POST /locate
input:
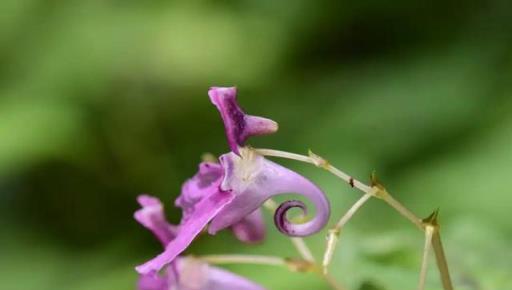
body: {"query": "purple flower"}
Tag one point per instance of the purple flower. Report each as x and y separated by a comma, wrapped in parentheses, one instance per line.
(230, 194)
(237, 124)
(184, 273)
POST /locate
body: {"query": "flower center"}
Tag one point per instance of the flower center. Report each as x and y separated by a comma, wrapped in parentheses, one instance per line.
(246, 167)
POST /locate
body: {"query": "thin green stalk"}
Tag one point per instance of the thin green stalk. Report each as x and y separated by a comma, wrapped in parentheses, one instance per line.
(429, 231)
(442, 264)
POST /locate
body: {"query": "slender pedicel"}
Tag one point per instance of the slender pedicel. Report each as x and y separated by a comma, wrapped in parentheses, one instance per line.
(333, 236)
(294, 265)
(332, 282)
(389, 199)
(442, 265)
(244, 259)
(429, 231)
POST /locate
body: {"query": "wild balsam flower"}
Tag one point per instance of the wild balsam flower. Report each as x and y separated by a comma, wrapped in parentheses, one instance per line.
(229, 194)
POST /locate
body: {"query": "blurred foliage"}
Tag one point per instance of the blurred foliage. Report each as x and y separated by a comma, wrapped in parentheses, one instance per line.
(102, 100)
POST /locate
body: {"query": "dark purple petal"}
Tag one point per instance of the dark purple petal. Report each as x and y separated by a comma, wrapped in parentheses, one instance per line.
(152, 216)
(206, 182)
(204, 211)
(254, 179)
(251, 229)
(197, 275)
(237, 124)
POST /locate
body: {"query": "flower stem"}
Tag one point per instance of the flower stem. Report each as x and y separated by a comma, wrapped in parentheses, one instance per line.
(333, 236)
(402, 210)
(429, 231)
(303, 249)
(350, 213)
(292, 264)
(283, 154)
(332, 282)
(377, 191)
(244, 259)
(442, 265)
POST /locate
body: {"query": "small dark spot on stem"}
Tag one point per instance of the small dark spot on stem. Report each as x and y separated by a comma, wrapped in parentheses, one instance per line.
(351, 181)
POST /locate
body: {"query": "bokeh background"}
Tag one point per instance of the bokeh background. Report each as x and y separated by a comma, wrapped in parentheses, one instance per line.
(101, 100)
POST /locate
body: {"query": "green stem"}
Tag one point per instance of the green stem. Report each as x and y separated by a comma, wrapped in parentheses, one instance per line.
(429, 231)
(442, 264)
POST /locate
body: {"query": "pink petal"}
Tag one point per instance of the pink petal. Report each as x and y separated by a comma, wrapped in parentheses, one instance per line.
(197, 275)
(152, 281)
(251, 229)
(152, 216)
(206, 182)
(204, 211)
(220, 279)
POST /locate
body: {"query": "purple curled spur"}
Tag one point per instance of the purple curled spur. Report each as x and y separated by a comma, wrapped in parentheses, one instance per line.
(254, 179)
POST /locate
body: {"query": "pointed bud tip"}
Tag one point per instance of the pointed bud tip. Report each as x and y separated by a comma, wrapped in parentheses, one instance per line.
(432, 219)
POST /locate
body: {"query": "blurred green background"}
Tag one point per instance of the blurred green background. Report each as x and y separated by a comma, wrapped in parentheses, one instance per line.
(101, 100)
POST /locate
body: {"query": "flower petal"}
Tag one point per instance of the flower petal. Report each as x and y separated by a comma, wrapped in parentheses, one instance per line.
(220, 279)
(237, 124)
(251, 229)
(163, 280)
(197, 275)
(152, 281)
(254, 179)
(152, 216)
(206, 181)
(204, 211)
